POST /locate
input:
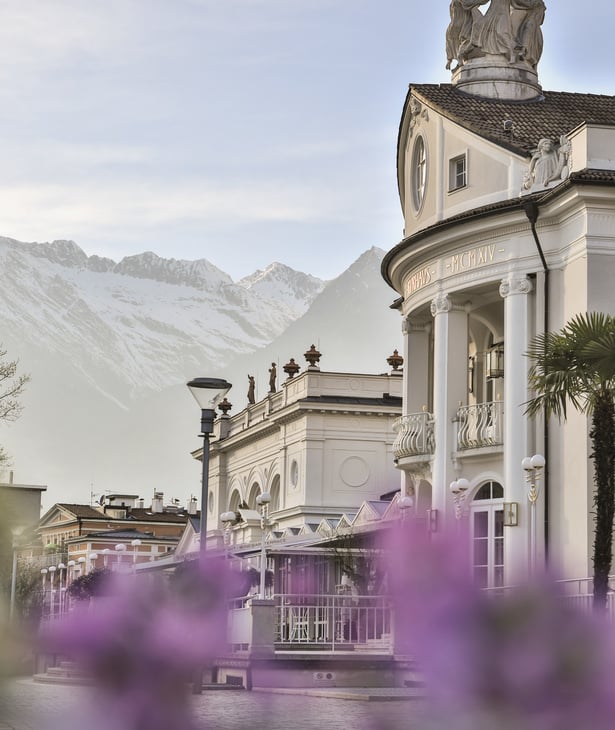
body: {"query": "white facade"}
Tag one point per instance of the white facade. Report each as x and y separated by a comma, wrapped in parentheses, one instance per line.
(321, 446)
(476, 277)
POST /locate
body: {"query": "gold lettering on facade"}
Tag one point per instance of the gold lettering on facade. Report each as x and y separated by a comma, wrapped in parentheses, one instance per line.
(418, 280)
(471, 258)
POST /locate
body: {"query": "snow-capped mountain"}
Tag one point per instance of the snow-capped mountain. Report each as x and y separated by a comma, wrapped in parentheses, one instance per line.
(281, 284)
(146, 322)
(111, 345)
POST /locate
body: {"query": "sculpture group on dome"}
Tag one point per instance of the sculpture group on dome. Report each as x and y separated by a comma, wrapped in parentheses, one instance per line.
(509, 28)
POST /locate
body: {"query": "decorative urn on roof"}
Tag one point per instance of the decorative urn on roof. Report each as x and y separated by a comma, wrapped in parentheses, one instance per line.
(395, 361)
(225, 406)
(313, 358)
(291, 368)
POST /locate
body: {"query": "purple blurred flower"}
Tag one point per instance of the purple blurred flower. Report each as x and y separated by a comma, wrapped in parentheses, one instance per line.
(144, 640)
(523, 659)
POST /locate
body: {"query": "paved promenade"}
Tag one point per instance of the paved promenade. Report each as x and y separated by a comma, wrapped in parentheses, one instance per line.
(25, 705)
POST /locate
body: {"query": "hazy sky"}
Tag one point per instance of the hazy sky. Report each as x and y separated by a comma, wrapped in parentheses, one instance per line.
(241, 131)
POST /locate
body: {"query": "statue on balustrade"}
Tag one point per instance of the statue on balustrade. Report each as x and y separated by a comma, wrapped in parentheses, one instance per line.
(272, 377)
(251, 386)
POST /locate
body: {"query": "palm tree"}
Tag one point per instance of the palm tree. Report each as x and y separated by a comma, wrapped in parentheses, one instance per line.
(577, 364)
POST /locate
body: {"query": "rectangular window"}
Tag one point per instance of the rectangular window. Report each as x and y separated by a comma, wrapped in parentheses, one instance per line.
(458, 173)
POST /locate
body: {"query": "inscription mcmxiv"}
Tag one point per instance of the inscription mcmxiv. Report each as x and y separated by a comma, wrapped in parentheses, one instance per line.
(471, 258)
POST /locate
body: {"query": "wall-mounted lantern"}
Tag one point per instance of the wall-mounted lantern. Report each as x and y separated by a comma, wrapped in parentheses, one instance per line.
(511, 514)
(494, 361)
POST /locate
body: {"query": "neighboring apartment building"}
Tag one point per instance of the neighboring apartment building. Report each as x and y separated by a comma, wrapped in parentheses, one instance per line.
(75, 531)
(508, 198)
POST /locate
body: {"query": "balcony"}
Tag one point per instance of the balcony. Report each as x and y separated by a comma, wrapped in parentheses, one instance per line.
(480, 426)
(415, 435)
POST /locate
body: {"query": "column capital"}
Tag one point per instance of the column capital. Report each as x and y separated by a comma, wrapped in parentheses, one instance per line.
(409, 325)
(515, 284)
(443, 304)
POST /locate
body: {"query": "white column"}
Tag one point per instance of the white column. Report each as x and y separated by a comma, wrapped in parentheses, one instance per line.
(450, 387)
(515, 290)
(416, 365)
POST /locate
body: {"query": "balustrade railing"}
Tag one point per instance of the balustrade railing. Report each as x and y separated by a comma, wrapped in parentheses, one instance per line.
(334, 622)
(480, 425)
(415, 435)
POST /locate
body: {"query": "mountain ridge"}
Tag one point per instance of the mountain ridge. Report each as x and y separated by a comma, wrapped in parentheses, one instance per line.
(110, 353)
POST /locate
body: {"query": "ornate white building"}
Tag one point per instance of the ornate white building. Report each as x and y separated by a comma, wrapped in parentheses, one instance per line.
(321, 446)
(507, 196)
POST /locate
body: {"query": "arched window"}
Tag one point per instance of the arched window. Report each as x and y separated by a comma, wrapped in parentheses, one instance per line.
(419, 173)
(490, 490)
(274, 505)
(255, 490)
(234, 501)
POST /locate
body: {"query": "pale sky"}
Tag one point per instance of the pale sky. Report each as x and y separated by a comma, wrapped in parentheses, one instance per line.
(241, 131)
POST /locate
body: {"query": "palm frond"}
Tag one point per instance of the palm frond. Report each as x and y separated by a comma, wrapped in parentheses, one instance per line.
(572, 365)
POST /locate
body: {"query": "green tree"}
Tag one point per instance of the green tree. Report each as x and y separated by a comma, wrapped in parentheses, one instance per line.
(576, 365)
(11, 388)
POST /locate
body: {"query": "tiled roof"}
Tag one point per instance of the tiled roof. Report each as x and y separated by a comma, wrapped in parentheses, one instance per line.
(120, 534)
(606, 177)
(553, 114)
(146, 515)
(83, 510)
(138, 514)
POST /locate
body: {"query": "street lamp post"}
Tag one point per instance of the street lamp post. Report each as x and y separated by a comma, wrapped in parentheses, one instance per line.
(61, 587)
(135, 549)
(120, 548)
(52, 570)
(207, 392)
(263, 501)
(93, 557)
(227, 519)
(405, 504)
(533, 467)
(15, 532)
(44, 587)
(459, 490)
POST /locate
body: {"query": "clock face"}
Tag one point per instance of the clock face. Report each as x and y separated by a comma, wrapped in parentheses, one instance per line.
(418, 171)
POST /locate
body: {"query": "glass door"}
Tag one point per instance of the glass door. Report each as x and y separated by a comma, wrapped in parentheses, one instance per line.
(487, 537)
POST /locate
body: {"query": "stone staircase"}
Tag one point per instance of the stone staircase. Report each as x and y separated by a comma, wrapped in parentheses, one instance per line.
(66, 672)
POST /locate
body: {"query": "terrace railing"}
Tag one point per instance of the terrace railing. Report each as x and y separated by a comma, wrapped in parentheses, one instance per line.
(415, 435)
(333, 622)
(480, 425)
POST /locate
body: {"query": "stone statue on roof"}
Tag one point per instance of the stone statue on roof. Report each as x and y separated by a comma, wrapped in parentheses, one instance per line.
(527, 17)
(508, 28)
(251, 386)
(273, 374)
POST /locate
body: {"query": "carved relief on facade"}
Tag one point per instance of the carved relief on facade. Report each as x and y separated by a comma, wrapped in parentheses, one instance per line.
(418, 113)
(550, 163)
